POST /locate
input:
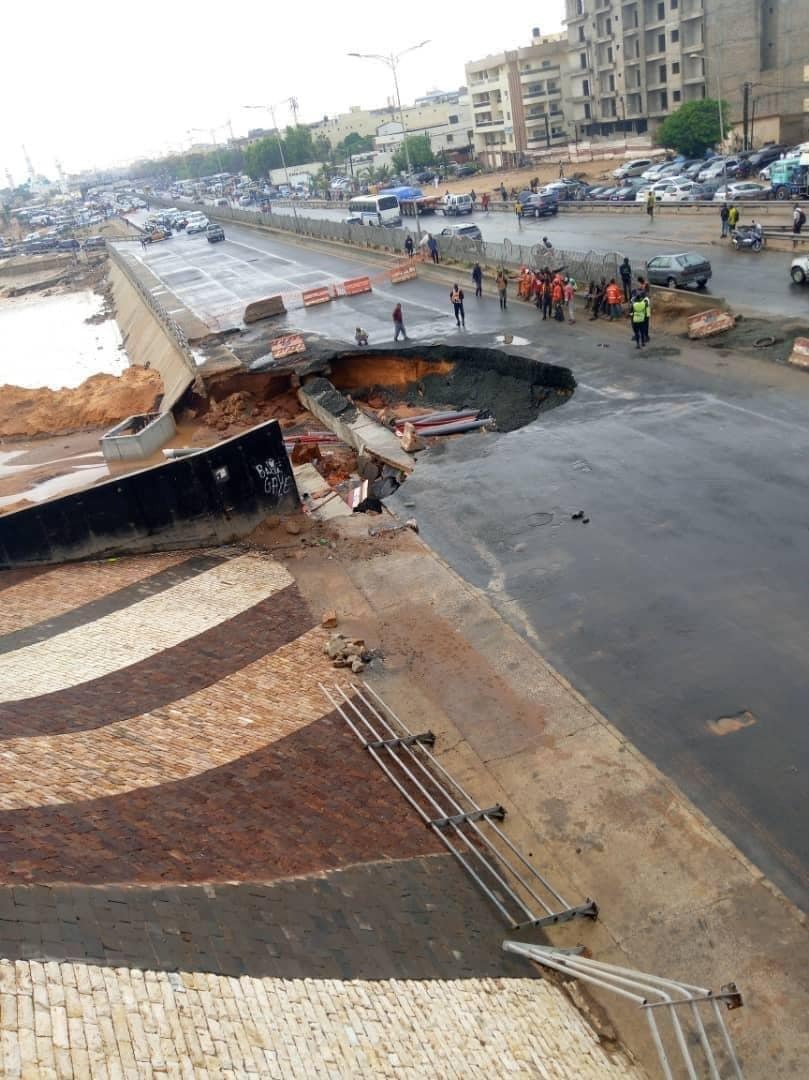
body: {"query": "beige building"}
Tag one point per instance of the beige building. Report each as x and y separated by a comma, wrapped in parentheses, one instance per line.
(445, 118)
(517, 100)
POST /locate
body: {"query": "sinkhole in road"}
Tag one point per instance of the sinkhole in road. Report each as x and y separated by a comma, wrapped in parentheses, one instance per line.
(511, 387)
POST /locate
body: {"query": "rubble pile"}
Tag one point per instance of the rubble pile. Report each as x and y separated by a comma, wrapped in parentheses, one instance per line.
(348, 652)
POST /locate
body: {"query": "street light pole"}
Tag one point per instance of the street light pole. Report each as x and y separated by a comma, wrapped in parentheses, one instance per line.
(271, 110)
(392, 61)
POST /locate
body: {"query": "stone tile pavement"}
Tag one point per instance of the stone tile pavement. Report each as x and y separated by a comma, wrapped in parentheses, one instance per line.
(201, 872)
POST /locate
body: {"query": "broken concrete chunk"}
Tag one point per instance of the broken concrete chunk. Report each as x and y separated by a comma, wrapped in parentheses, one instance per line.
(329, 619)
(292, 527)
(411, 441)
(357, 665)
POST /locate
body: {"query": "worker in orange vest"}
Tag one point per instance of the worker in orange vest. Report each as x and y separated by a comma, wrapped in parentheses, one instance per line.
(615, 299)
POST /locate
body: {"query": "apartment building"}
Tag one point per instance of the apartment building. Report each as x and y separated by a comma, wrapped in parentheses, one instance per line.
(444, 116)
(517, 101)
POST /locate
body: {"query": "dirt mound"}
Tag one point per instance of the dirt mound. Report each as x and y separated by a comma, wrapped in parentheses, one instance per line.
(100, 401)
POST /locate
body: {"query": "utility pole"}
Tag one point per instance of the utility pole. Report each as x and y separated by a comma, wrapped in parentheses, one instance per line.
(547, 132)
(293, 104)
(746, 114)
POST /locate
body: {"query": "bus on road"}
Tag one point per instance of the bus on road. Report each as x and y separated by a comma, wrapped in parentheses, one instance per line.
(375, 210)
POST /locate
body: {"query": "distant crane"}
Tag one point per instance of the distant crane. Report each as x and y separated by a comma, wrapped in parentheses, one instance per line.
(293, 104)
(28, 165)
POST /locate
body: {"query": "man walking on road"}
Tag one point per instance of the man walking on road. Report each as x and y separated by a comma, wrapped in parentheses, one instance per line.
(477, 277)
(432, 247)
(625, 270)
(398, 323)
(733, 218)
(409, 246)
(639, 313)
(501, 281)
(456, 296)
(650, 205)
(570, 295)
(518, 212)
(723, 215)
(485, 201)
(798, 220)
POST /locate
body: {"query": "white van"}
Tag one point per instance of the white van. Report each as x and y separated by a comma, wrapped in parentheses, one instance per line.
(458, 204)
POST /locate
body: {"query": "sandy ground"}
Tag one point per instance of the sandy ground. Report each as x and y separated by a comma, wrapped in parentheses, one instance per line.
(521, 178)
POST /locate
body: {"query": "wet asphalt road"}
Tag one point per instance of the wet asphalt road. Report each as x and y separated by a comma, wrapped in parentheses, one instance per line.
(684, 601)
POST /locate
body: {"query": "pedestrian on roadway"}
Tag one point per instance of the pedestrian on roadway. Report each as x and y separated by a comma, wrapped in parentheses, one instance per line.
(639, 314)
(473, 197)
(432, 247)
(361, 336)
(456, 296)
(558, 298)
(723, 217)
(650, 205)
(733, 218)
(485, 201)
(398, 323)
(518, 212)
(613, 298)
(409, 246)
(625, 270)
(501, 281)
(798, 220)
(547, 294)
(477, 277)
(503, 192)
(570, 296)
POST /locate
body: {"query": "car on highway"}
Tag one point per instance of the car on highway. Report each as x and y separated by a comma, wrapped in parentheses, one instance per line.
(632, 168)
(214, 233)
(536, 205)
(565, 189)
(741, 190)
(799, 271)
(156, 234)
(466, 232)
(197, 224)
(678, 271)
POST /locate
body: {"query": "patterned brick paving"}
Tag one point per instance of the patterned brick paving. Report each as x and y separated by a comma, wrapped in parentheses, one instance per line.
(308, 802)
(31, 596)
(243, 712)
(166, 677)
(139, 631)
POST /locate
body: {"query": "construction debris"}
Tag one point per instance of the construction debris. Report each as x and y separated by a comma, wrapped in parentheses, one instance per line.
(708, 323)
(348, 652)
(411, 442)
(329, 619)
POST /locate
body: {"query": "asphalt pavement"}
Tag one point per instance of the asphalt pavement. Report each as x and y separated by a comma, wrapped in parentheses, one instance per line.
(749, 281)
(680, 608)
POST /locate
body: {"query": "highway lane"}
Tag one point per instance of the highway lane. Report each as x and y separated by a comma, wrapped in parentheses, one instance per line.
(750, 282)
(680, 609)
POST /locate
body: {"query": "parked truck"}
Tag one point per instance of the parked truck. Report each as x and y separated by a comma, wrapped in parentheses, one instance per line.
(412, 198)
(789, 177)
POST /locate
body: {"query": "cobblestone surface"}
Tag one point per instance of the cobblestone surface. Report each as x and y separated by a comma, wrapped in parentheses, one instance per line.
(201, 872)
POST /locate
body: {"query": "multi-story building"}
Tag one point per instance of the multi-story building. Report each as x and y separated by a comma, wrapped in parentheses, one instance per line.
(444, 117)
(633, 62)
(517, 100)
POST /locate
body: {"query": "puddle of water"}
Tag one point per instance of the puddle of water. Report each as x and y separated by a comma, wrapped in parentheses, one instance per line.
(59, 485)
(46, 341)
(511, 339)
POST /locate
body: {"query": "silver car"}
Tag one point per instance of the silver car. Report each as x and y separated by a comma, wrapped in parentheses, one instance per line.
(677, 271)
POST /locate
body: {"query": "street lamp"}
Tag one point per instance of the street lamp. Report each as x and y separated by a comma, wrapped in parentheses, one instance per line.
(392, 61)
(699, 56)
(271, 110)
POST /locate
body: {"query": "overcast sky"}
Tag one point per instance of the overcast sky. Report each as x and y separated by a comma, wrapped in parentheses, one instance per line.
(100, 83)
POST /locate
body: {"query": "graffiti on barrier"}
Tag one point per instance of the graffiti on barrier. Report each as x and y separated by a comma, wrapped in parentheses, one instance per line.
(277, 480)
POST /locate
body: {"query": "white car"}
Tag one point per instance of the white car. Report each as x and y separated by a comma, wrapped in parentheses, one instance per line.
(659, 189)
(197, 225)
(799, 271)
(653, 172)
(740, 190)
(632, 168)
(683, 191)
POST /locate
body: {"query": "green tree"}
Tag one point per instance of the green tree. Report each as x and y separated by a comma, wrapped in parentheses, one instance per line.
(420, 151)
(322, 145)
(693, 128)
(260, 157)
(355, 143)
(298, 146)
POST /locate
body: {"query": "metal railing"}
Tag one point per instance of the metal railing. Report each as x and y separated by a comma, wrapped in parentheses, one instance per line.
(522, 895)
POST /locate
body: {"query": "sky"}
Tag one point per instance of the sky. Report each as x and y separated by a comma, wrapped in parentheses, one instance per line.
(100, 84)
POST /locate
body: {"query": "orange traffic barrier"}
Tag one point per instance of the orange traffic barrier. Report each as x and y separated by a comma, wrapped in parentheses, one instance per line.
(316, 296)
(287, 346)
(402, 273)
(355, 286)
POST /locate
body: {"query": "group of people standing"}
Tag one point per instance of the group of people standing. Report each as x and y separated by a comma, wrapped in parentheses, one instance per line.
(553, 292)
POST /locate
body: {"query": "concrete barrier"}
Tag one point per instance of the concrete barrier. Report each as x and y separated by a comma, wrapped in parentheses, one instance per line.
(264, 309)
(138, 437)
(356, 286)
(800, 353)
(212, 497)
(707, 323)
(312, 297)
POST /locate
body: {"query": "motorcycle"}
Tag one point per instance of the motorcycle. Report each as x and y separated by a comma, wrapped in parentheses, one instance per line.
(746, 236)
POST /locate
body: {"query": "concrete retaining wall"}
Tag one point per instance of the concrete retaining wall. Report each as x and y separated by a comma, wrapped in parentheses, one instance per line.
(148, 342)
(212, 497)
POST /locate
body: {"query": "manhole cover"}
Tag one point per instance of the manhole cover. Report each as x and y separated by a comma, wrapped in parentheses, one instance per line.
(541, 518)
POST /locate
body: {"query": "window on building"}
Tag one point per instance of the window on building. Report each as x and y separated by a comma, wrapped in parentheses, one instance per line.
(453, 119)
(587, 113)
(612, 82)
(546, 63)
(676, 95)
(662, 73)
(585, 87)
(675, 69)
(581, 32)
(661, 11)
(637, 48)
(664, 99)
(583, 59)
(674, 4)
(552, 86)
(450, 138)
(661, 42)
(608, 26)
(579, 7)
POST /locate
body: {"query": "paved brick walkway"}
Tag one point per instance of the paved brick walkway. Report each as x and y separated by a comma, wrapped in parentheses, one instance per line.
(203, 875)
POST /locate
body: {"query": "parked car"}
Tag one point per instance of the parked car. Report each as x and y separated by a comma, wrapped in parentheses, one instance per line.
(653, 172)
(677, 271)
(725, 167)
(468, 232)
(683, 191)
(741, 190)
(68, 245)
(214, 233)
(154, 235)
(197, 225)
(536, 205)
(564, 189)
(799, 271)
(624, 194)
(759, 159)
(632, 168)
(94, 243)
(468, 169)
